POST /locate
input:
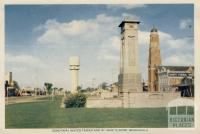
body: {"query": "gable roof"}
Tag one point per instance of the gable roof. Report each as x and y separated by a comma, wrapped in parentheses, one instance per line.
(175, 68)
(128, 21)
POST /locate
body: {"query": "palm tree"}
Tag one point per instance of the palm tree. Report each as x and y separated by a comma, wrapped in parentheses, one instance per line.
(60, 89)
(54, 90)
(104, 85)
(48, 87)
(17, 88)
(6, 88)
(79, 88)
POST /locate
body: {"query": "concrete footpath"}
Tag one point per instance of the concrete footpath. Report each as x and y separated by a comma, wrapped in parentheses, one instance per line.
(22, 99)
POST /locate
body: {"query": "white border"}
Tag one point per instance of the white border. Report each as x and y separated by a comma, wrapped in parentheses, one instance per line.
(196, 3)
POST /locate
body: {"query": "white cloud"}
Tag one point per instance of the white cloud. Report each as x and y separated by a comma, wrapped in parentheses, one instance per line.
(97, 41)
(179, 59)
(101, 31)
(185, 23)
(128, 16)
(110, 49)
(166, 40)
(125, 6)
(173, 43)
(87, 31)
(51, 36)
(143, 37)
(174, 51)
(24, 60)
(26, 69)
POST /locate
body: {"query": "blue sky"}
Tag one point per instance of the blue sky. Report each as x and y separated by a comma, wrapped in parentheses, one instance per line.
(41, 38)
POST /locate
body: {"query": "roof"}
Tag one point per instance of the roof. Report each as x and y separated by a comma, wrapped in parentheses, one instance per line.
(181, 102)
(128, 21)
(176, 68)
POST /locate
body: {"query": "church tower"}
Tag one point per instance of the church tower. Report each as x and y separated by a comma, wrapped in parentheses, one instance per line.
(154, 60)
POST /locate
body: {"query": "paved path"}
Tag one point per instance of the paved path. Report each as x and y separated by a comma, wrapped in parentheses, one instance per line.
(22, 99)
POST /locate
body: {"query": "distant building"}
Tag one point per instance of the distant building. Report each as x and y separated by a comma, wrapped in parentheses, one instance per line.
(27, 91)
(187, 87)
(170, 78)
(8, 78)
(10, 89)
(11, 86)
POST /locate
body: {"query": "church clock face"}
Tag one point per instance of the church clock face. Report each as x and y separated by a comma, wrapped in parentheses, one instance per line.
(131, 26)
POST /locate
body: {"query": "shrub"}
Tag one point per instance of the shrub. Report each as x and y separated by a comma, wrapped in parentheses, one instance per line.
(75, 100)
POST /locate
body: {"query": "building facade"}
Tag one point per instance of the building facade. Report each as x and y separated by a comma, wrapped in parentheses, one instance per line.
(11, 86)
(171, 77)
(154, 60)
(8, 78)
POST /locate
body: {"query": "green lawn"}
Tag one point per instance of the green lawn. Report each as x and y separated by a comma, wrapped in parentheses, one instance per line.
(48, 114)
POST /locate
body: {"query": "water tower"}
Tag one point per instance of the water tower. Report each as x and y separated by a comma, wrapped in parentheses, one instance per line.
(74, 63)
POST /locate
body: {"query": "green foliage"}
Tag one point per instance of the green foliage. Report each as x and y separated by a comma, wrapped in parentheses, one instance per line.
(48, 114)
(75, 100)
(104, 85)
(48, 87)
(16, 85)
(79, 88)
(55, 88)
(60, 89)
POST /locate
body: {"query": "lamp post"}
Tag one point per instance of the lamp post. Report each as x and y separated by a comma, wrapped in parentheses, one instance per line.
(6, 90)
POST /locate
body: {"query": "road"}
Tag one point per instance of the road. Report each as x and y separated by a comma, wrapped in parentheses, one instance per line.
(22, 99)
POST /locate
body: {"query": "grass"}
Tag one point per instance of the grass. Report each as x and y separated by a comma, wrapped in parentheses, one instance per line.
(48, 114)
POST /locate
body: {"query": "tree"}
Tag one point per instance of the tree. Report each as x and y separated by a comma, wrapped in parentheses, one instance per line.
(60, 89)
(75, 100)
(16, 85)
(6, 86)
(79, 88)
(89, 89)
(48, 87)
(54, 90)
(53, 93)
(17, 88)
(104, 85)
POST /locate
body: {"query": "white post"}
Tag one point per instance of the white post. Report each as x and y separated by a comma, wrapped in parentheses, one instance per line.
(35, 93)
(7, 94)
(186, 109)
(168, 110)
